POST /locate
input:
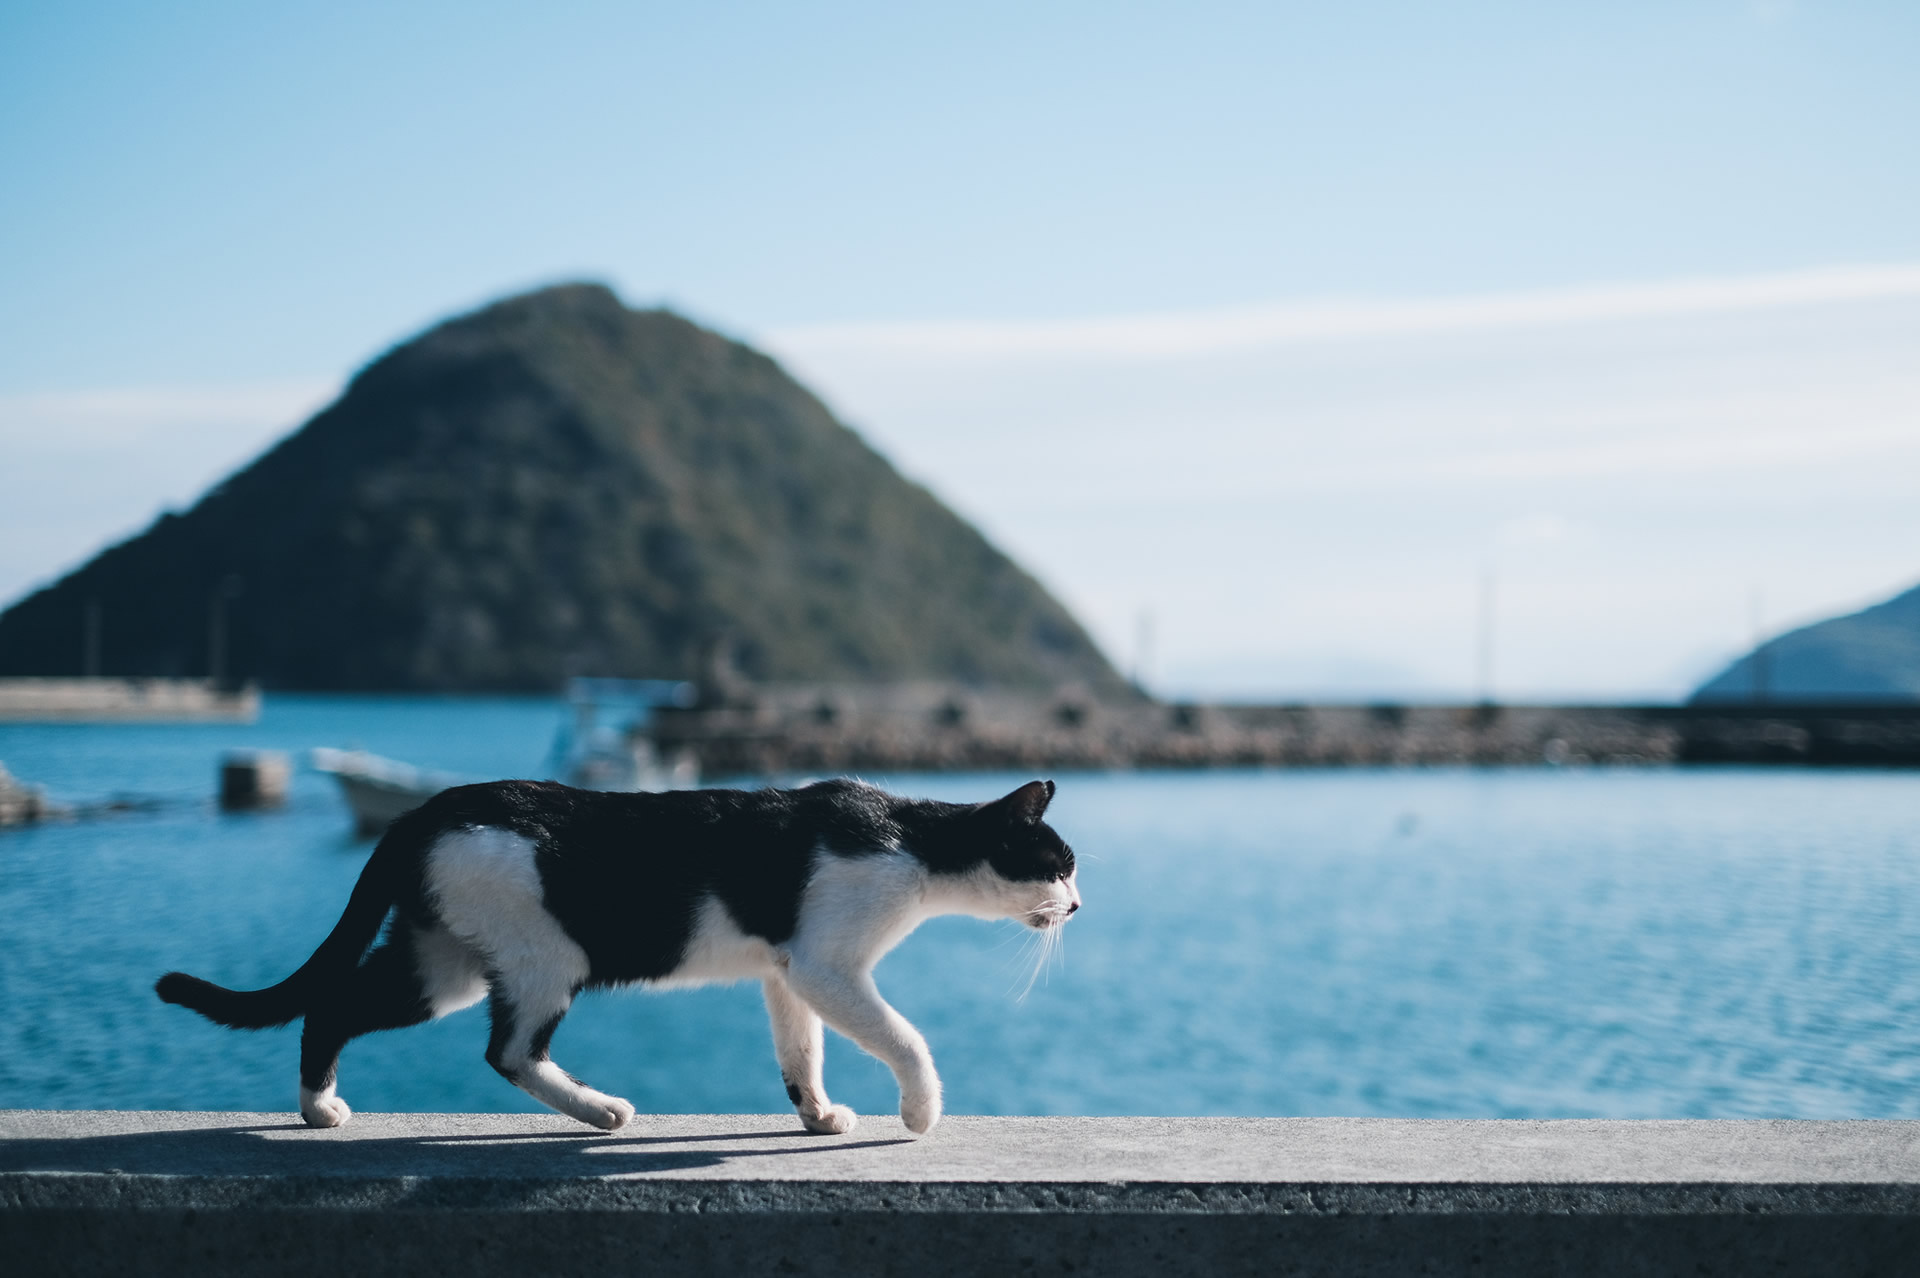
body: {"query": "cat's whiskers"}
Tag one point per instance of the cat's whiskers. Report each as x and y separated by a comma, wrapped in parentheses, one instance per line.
(1015, 933)
(1048, 940)
(1049, 946)
(1022, 964)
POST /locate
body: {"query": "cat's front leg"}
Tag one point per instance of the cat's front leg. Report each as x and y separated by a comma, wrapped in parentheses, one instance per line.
(851, 1003)
(797, 1045)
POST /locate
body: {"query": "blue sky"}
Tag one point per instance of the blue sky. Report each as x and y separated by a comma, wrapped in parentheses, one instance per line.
(214, 212)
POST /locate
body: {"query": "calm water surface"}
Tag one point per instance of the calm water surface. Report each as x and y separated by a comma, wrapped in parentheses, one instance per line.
(1486, 943)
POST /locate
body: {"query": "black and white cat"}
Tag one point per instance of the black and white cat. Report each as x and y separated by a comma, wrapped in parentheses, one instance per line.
(527, 892)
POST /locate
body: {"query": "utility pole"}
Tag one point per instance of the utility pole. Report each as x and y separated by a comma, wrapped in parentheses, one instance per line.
(90, 651)
(1143, 649)
(1484, 655)
(228, 588)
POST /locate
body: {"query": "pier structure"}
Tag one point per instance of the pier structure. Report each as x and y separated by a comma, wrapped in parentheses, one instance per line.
(107, 700)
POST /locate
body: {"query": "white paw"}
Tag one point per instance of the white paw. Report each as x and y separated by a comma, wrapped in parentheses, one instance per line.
(834, 1120)
(324, 1111)
(609, 1113)
(920, 1113)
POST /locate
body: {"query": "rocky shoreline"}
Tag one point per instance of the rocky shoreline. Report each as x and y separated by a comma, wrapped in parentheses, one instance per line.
(23, 804)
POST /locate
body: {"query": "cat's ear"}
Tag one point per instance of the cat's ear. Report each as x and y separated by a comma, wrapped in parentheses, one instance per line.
(1029, 803)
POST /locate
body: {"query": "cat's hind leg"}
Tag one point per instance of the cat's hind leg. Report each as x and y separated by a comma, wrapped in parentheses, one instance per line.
(487, 893)
(797, 1043)
(526, 1011)
(385, 991)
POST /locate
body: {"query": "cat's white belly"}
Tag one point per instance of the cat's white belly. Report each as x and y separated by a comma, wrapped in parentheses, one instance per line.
(719, 953)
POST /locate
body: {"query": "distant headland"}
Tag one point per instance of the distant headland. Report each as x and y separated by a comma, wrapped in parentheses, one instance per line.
(1868, 656)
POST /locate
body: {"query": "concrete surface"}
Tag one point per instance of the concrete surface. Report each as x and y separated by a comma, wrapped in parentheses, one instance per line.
(89, 1192)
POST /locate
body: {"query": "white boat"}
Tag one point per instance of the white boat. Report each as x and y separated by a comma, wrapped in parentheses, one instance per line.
(377, 789)
(602, 745)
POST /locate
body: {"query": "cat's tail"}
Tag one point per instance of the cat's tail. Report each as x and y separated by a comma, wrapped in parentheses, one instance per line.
(373, 896)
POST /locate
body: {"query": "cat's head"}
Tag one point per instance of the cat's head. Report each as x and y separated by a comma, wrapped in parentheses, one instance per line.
(1032, 867)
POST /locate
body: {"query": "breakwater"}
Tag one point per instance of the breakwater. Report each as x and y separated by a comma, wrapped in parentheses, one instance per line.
(939, 727)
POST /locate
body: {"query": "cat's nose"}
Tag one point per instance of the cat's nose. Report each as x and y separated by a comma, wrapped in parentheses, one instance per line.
(1074, 908)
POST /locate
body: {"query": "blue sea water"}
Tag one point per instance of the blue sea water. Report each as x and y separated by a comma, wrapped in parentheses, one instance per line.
(1447, 943)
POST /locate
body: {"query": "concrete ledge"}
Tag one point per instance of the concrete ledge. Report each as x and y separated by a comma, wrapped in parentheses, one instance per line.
(165, 1193)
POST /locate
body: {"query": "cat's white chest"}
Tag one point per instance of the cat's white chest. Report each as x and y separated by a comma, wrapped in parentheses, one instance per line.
(719, 953)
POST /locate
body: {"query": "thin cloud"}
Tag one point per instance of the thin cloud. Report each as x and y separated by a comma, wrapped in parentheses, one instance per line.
(92, 417)
(1236, 329)
(1704, 453)
(85, 468)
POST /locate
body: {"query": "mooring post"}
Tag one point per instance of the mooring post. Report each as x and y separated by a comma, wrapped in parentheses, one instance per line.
(251, 779)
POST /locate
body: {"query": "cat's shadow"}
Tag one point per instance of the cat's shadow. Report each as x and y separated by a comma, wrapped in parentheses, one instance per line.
(529, 1157)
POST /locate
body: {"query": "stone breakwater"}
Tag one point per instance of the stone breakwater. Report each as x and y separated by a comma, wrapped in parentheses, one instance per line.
(935, 727)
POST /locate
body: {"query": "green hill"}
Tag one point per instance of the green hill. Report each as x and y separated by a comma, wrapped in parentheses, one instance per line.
(1871, 655)
(558, 485)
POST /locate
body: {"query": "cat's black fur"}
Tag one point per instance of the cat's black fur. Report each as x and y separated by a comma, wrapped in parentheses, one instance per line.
(626, 878)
